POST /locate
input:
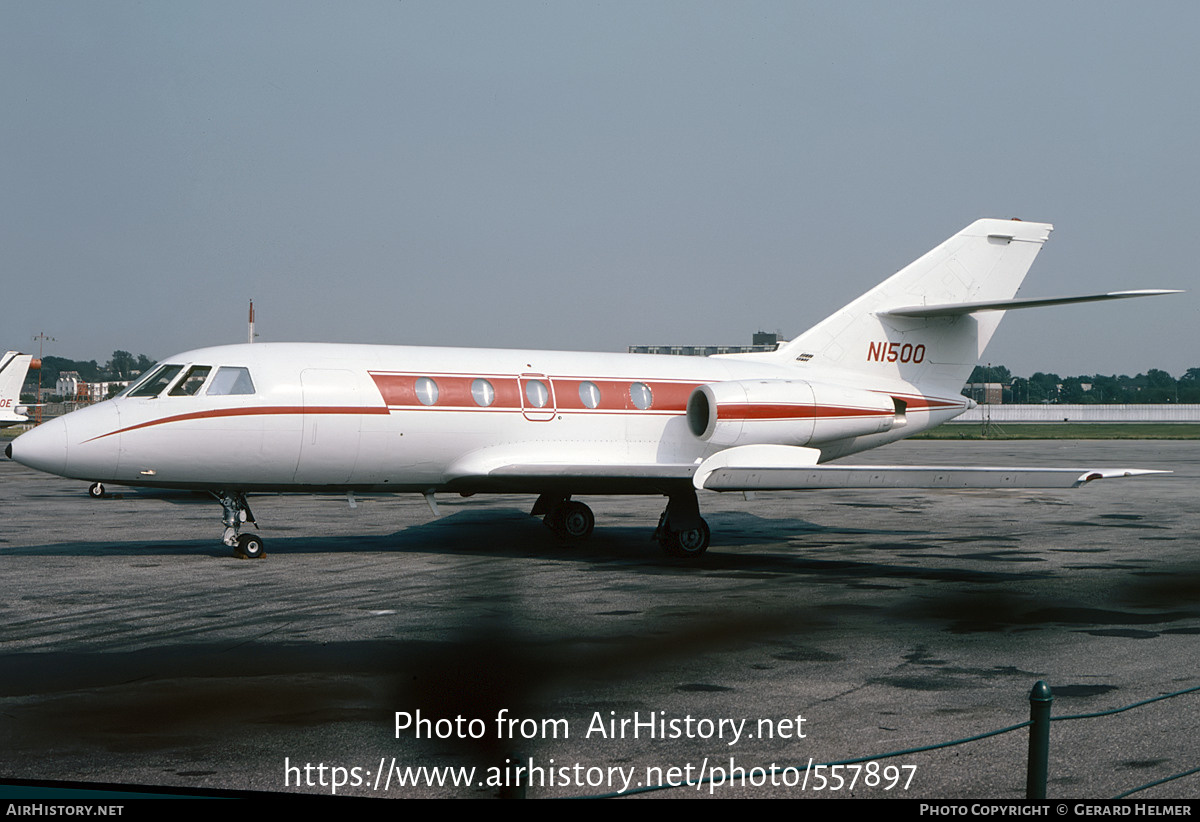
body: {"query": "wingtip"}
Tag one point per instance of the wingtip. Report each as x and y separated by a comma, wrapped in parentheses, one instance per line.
(1147, 292)
(1117, 473)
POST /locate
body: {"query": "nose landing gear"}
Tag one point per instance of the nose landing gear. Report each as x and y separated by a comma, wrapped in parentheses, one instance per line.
(237, 511)
(249, 546)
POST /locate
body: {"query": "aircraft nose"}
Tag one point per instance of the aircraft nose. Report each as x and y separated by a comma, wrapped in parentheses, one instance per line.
(43, 448)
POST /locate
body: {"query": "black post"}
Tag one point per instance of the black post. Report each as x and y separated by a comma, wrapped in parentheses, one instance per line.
(1040, 700)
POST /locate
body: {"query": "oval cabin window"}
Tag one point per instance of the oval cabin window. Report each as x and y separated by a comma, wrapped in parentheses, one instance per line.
(641, 395)
(427, 391)
(483, 393)
(537, 393)
(589, 394)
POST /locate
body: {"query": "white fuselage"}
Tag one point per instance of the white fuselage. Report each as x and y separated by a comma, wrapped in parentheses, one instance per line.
(366, 417)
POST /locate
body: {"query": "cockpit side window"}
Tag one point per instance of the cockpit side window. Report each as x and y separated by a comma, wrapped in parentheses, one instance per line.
(231, 380)
(153, 385)
(191, 381)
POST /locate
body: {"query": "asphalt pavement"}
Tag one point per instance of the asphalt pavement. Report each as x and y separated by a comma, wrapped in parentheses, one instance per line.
(819, 626)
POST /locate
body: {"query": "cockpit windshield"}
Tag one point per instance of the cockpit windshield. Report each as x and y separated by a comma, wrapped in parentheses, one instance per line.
(153, 385)
(191, 381)
(136, 384)
(227, 380)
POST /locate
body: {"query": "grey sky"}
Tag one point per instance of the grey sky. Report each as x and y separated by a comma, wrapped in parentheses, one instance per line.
(586, 174)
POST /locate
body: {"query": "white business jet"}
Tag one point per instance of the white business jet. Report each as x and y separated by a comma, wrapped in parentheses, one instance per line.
(359, 418)
(13, 368)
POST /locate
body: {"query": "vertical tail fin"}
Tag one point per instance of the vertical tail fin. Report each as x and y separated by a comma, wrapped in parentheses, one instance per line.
(987, 260)
(13, 368)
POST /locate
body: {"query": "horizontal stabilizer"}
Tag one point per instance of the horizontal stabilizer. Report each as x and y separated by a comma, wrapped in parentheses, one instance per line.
(727, 471)
(955, 309)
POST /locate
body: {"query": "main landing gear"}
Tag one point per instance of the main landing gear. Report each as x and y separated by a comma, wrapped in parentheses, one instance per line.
(237, 511)
(567, 518)
(681, 531)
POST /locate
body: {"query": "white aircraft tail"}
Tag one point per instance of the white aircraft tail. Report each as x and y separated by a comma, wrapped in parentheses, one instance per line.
(983, 263)
(13, 368)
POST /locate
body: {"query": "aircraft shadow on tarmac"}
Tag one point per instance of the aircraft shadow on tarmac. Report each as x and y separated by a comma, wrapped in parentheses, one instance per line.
(746, 544)
(177, 695)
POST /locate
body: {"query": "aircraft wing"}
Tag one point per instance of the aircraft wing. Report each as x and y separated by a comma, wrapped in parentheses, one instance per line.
(765, 468)
(579, 478)
(638, 471)
(788, 468)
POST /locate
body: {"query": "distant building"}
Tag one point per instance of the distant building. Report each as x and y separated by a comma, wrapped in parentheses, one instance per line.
(762, 341)
(99, 391)
(988, 393)
(70, 385)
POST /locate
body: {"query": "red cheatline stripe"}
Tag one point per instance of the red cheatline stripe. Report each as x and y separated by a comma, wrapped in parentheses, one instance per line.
(920, 402)
(454, 391)
(923, 403)
(266, 410)
(728, 411)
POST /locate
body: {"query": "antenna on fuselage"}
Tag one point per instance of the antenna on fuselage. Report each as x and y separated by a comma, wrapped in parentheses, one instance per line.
(252, 335)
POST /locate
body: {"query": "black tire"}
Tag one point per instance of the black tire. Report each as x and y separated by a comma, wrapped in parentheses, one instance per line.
(554, 519)
(661, 535)
(577, 520)
(249, 546)
(96, 490)
(688, 544)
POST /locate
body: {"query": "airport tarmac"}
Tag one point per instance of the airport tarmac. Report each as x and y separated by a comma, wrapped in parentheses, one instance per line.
(136, 650)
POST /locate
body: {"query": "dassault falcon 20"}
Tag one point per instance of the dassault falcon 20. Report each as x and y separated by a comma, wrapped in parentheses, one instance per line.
(356, 418)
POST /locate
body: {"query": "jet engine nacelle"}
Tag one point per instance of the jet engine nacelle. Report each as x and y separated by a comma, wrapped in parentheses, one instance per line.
(786, 412)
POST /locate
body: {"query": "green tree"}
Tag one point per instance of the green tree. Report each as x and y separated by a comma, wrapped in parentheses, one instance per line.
(1160, 386)
(1107, 389)
(1072, 391)
(121, 365)
(1189, 386)
(991, 373)
(1044, 387)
